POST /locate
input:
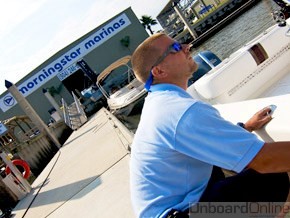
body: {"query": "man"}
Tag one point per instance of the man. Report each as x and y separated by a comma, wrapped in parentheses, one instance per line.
(181, 143)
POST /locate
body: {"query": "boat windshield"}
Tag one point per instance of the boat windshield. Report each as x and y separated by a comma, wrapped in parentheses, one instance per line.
(117, 79)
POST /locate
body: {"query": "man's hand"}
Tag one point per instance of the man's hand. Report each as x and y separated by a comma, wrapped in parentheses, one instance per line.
(259, 119)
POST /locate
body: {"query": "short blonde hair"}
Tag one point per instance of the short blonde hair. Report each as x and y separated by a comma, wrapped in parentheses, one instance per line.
(145, 56)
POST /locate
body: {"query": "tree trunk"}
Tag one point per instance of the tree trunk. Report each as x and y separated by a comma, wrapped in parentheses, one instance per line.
(149, 28)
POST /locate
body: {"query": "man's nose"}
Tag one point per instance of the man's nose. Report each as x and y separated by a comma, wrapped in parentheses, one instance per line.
(186, 47)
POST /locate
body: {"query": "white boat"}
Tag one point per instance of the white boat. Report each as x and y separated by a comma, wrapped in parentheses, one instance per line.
(120, 87)
(255, 76)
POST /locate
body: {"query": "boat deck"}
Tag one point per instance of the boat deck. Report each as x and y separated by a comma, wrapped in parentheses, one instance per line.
(282, 87)
(87, 175)
(279, 95)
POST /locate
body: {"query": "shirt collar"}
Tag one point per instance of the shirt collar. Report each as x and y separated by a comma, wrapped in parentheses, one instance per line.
(169, 87)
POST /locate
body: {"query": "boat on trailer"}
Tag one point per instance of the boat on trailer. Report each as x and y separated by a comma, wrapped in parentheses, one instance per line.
(120, 87)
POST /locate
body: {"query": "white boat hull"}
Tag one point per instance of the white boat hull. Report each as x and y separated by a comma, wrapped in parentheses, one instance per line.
(278, 129)
(243, 84)
(124, 100)
(240, 77)
(121, 100)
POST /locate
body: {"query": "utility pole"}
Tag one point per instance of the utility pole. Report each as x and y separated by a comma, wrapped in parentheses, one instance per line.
(53, 102)
(202, 2)
(183, 18)
(30, 112)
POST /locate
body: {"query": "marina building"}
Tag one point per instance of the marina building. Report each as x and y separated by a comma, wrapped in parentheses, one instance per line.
(75, 67)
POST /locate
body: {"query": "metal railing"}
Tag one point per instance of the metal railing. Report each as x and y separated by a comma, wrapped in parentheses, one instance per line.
(74, 115)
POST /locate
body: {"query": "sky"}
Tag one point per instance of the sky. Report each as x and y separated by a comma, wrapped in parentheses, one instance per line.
(31, 31)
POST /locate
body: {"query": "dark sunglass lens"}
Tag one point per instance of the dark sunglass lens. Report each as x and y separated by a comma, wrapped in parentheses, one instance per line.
(177, 46)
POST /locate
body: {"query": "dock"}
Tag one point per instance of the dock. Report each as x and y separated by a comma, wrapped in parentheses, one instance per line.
(88, 176)
(212, 22)
(221, 23)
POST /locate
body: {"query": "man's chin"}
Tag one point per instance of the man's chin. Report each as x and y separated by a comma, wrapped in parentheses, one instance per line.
(194, 67)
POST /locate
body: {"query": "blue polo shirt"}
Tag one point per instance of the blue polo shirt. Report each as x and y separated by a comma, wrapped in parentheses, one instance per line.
(177, 142)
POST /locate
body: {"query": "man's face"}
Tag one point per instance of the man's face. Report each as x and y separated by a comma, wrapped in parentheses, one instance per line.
(180, 64)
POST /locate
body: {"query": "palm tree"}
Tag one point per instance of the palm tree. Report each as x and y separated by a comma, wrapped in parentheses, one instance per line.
(147, 21)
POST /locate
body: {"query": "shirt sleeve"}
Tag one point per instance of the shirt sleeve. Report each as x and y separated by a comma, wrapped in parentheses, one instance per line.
(204, 135)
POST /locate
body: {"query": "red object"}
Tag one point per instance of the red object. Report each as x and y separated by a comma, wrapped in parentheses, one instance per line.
(23, 164)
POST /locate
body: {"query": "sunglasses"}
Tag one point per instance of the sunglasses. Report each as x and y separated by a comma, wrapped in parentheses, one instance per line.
(172, 49)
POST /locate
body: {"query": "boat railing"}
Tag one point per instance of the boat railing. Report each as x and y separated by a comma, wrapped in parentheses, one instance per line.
(279, 17)
(28, 135)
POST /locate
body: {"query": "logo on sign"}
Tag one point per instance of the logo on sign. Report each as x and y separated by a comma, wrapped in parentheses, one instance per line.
(9, 100)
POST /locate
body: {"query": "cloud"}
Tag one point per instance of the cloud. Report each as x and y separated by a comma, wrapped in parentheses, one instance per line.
(13, 13)
(32, 31)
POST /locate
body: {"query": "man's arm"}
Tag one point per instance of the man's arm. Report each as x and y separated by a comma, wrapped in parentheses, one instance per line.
(258, 120)
(272, 158)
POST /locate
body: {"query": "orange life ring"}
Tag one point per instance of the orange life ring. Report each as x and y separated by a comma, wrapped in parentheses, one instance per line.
(23, 164)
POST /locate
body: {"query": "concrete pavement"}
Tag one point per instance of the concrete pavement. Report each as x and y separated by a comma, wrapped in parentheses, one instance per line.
(88, 177)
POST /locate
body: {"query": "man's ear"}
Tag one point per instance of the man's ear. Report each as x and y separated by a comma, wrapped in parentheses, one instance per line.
(158, 73)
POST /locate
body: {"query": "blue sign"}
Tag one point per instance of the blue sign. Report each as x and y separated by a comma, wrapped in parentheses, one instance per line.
(70, 57)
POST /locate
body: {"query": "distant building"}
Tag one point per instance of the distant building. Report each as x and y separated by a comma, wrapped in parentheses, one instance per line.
(169, 19)
(203, 17)
(98, 49)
